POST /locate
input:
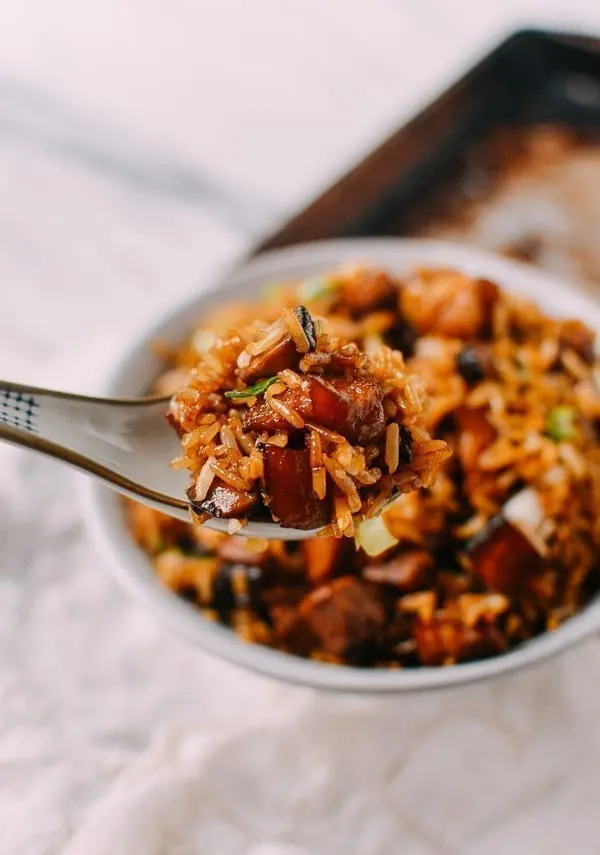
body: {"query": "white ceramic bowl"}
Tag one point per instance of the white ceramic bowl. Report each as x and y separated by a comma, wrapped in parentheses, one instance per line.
(136, 369)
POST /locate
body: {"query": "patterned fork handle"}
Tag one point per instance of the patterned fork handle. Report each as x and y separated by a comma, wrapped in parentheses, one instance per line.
(127, 443)
(18, 409)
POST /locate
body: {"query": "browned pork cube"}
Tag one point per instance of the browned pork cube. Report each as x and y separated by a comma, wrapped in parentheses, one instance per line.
(345, 614)
(448, 303)
(224, 501)
(289, 492)
(352, 408)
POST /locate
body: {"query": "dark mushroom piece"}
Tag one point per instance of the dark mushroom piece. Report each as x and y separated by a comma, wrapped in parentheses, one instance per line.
(308, 328)
(406, 443)
(283, 354)
(289, 493)
(402, 336)
(237, 586)
(474, 363)
(277, 358)
(223, 501)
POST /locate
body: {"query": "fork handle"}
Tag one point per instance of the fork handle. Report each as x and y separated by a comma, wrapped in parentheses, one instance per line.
(61, 425)
(18, 410)
(100, 436)
(44, 420)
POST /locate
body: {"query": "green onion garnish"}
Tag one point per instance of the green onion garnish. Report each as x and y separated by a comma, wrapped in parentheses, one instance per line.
(315, 287)
(560, 423)
(252, 391)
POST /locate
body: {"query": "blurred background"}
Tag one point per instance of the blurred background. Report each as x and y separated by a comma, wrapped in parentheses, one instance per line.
(154, 140)
(144, 146)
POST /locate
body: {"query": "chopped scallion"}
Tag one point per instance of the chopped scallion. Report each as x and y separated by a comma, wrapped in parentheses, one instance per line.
(252, 391)
(560, 423)
(315, 287)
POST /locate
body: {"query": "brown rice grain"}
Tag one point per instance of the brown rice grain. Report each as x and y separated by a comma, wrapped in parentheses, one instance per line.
(279, 439)
(269, 338)
(572, 459)
(275, 389)
(230, 477)
(343, 514)
(289, 414)
(290, 378)
(256, 464)
(326, 434)
(316, 449)
(182, 462)
(368, 476)
(319, 482)
(392, 446)
(204, 480)
(422, 604)
(574, 365)
(319, 477)
(243, 441)
(229, 441)
(345, 483)
(389, 408)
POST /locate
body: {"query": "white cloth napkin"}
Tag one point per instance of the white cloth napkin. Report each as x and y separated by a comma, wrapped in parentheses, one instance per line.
(510, 766)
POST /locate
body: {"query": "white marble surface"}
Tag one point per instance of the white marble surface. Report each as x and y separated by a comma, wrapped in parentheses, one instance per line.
(142, 146)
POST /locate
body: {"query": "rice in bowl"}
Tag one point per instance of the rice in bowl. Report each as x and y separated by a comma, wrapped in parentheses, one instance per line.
(502, 546)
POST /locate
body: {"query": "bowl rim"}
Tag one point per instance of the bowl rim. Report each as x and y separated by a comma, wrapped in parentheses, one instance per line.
(106, 522)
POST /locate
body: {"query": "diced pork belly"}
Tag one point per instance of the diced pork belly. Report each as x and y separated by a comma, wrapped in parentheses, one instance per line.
(352, 408)
(289, 492)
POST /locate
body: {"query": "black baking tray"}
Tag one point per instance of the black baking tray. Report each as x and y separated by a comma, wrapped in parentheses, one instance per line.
(508, 158)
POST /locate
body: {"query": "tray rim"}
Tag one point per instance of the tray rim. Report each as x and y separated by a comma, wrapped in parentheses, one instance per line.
(327, 203)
